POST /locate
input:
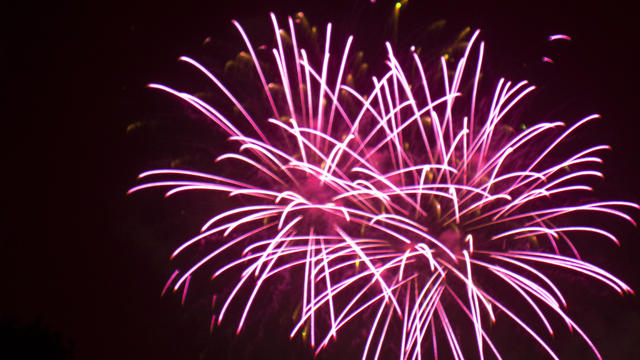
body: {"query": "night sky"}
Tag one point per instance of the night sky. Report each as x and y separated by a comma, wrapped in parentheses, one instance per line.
(83, 264)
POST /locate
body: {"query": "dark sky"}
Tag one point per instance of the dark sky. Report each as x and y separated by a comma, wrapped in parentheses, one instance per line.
(83, 264)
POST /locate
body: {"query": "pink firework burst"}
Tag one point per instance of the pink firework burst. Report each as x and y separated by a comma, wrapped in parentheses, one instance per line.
(406, 209)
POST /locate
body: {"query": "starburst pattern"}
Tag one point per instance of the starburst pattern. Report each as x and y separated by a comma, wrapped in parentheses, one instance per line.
(408, 205)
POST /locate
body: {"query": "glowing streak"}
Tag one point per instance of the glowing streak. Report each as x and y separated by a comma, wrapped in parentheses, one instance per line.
(374, 270)
(473, 304)
(257, 65)
(328, 282)
(166, 286)
(226, 92)
(184, 292)
(559, 37)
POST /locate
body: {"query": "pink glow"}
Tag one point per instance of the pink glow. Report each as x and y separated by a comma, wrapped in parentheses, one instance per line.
(184, 292)
(166, 286)
(390, 204)
(559, 37)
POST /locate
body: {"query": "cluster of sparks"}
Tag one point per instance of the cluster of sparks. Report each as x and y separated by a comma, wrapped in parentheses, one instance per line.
(406, 210)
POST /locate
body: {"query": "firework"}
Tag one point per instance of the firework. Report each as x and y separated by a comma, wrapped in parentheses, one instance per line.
(411, 206)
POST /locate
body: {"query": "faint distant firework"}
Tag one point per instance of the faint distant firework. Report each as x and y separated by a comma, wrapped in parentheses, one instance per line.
(411, 209)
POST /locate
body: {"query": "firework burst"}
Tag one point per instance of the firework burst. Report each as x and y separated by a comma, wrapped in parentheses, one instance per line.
(407, 209)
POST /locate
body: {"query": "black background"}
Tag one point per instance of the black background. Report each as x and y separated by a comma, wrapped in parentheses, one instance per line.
(83, 264)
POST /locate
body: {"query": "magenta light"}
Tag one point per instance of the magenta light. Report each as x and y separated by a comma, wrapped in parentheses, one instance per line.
(390, 204)
(559, 37)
